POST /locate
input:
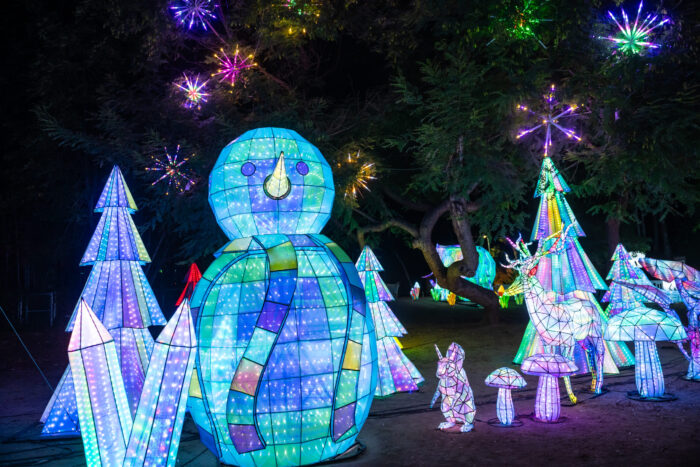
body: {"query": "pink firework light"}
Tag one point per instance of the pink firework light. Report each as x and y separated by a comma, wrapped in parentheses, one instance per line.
(194, 92)
(550, 118)
(194, 13)
(230, 68)
(172, 171)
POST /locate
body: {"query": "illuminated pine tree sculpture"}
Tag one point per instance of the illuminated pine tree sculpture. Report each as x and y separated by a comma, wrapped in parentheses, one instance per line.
(120, 296)
(155, 436)
(103, 410)
(619, 296)
(569, 273)
(396, 372)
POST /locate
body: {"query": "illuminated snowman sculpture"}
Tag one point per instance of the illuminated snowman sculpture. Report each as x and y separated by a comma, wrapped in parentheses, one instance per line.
(286, 362)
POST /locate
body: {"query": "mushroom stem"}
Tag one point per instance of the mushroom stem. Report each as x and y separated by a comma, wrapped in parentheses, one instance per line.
(647, 371)
(547, 405)
(504, 406)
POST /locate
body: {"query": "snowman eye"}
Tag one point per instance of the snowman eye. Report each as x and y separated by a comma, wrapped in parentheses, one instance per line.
(302, 168)
(248, 169)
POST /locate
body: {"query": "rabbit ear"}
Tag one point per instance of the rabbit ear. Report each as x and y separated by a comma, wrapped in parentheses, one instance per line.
(455, 353)
(438, 352)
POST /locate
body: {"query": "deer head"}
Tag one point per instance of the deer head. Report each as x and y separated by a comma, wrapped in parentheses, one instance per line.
(527, 263)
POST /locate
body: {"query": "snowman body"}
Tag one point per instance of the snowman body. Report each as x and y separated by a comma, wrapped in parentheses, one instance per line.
(286, 360)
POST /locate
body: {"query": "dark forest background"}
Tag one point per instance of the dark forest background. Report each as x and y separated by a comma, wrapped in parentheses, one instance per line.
(89, 84)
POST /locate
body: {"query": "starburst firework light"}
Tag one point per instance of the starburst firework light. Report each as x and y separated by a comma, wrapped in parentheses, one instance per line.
(550, 118)
(173, 171)
(194, 92)
(304, 8)
(520, 22)
(362, 173)
(635, 38)
(230, 68)
(194, 13)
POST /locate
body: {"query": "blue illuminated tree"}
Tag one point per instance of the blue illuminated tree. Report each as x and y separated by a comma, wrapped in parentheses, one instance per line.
(396, 372)
(623, 298)
(120, 296)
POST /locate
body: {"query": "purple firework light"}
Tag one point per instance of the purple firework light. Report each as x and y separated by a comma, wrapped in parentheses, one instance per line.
(231, 67)
(195, 94)
(194, 13)
(172, 171)
(634, 38)
(548, 119)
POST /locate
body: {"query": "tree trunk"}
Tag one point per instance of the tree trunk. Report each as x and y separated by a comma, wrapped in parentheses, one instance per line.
(665, 242)
(448, 278)
(613, 234)
(462, 228)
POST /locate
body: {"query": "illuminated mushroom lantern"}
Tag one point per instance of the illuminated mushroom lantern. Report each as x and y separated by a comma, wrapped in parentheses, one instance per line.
(549, 367)
(645, 326)
(505, 379)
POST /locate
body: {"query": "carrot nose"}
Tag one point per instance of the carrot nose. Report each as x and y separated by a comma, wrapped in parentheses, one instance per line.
(277, 185)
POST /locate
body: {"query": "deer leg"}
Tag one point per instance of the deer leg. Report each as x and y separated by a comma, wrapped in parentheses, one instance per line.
(599, 346)
(569, 391)
(590, 361)
(568, 352)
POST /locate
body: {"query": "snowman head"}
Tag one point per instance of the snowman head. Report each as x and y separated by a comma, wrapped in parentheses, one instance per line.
(271, 181)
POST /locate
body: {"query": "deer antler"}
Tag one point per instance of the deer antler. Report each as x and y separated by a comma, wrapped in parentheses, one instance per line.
(512, 263)
(559, 244)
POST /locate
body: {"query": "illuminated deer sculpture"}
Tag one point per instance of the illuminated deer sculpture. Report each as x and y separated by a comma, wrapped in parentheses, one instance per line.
(561, 321)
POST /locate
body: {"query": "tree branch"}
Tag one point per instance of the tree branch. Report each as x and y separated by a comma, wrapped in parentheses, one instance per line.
(398, 223)
(414, 205)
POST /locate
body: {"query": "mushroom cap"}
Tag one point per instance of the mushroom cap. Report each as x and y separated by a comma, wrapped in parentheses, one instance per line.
(548, 364)
(505, 378)
(644, 324)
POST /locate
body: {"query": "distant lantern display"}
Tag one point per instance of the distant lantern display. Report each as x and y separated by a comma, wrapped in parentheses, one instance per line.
(286, 364)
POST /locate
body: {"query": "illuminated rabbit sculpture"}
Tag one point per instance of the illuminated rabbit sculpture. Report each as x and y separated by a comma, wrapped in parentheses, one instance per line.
(560, 323)
(286, 358)
(457, 398)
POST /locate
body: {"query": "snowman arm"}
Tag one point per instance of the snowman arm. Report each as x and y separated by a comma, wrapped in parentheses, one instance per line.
(243, 393)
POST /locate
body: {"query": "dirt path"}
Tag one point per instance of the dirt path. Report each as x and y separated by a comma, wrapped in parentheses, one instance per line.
(606, 430)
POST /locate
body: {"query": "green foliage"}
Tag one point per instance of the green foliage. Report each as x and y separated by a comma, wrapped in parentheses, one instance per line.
(403, 81)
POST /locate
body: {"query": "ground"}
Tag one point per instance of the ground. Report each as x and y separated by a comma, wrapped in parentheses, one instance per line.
(401, 430)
